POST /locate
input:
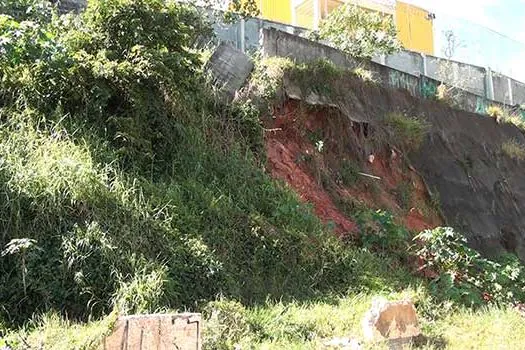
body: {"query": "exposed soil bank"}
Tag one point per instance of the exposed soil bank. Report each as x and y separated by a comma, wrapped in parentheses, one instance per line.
(479, 188)
(320, 154)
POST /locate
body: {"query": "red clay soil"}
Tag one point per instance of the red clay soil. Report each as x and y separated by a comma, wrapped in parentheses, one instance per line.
(287, 146)
(282, 164)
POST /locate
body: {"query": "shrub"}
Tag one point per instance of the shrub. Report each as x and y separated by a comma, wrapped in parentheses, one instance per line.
(360, 33)
(514, 149)
(464, 276)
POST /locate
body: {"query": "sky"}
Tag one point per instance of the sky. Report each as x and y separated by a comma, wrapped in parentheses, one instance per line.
(491, 32)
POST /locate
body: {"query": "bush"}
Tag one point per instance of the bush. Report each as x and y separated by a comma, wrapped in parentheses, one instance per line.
(464, 276)
(379, 231)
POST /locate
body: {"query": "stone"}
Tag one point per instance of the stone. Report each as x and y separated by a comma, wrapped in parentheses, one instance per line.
(155, 332)
(391, 321)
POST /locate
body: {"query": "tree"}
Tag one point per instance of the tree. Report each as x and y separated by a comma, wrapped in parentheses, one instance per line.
(359, 32)
(453, 82)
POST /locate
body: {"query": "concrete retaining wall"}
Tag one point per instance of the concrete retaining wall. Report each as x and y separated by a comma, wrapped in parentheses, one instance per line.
(277, 43)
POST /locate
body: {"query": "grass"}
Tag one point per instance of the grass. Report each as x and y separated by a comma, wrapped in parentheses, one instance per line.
(495, 112)
(514, 149)
(310, 325)
(52, 332)
(349, 172)
(514, 119)
(405, 131)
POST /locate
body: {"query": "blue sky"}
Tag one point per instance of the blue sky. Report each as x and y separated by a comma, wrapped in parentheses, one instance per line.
(492, 32)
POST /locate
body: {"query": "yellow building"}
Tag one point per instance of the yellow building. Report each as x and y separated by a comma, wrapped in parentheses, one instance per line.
(415, 28)
(276, 10)
(414, 25)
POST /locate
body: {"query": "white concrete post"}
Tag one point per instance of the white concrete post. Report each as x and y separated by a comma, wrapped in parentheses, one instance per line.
(424, 68)
(511, 98)
(317, 13)
(243, 35)
(489, 84)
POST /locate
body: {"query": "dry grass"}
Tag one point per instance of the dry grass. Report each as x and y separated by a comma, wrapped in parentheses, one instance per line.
(514, 149)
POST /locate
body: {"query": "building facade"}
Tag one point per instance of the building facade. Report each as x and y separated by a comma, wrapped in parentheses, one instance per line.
(414, 25)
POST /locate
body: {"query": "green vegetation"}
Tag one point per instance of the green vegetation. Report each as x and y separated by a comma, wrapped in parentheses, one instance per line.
(127, 186)
(358, 32)
(404, 194)
(514, 149)
(406, 132)
(464, 276)
(349, 172)
(134, 186)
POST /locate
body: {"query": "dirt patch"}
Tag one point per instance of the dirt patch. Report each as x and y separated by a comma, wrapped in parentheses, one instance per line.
(328, 159)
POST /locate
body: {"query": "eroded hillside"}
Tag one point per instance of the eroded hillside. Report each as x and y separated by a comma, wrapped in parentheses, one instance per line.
(430, 164)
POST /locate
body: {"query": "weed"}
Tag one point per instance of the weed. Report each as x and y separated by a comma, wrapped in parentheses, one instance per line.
(515, 119)
(514, 149)
(404, 194)
(495, 112)
(365, 75)
(349, 172)
(406, 132)
(267, 79)
(318, 76)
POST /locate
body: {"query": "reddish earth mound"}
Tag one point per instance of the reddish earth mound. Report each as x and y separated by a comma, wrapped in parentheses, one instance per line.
(306, 148)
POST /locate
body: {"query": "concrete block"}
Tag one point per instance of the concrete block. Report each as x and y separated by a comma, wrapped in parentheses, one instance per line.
(156, 332)
(230, 68)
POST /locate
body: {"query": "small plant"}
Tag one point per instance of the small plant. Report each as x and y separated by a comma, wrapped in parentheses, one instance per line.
(379, 231)
(494, 112)
(406, 132)
(226, 324)
(514, 149)
(365, 75)
(21, 247)
(319, 146)
(349, 172)
(404, 194)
